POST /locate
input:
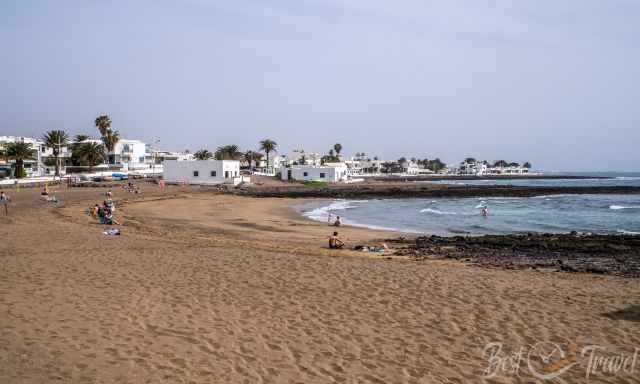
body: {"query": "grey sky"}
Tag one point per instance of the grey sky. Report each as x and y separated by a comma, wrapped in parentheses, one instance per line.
(553, 82)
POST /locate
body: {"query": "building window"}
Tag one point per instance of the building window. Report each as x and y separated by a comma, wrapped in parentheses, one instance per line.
(305, 174)
(322, 175)
(213, 173)
(195, 173)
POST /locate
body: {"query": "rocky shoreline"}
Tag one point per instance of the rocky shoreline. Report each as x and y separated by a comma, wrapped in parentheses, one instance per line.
(406, 190)
(598, 254)
(488, 177)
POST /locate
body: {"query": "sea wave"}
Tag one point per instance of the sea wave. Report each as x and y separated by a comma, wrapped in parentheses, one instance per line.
(435, 211)
(619, 207)
(322, 213)
(625, 232)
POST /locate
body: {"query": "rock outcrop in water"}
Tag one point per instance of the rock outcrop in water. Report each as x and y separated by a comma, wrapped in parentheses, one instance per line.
(600, 254)
(409, 190)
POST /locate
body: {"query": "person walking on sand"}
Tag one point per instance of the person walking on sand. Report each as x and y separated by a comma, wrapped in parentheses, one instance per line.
(4, 200)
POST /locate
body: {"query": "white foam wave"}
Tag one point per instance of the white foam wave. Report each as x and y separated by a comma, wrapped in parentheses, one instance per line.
(547, 197)
(625, 232)
(627, 178)
(322, 213)
(435, 211)
(619, 207)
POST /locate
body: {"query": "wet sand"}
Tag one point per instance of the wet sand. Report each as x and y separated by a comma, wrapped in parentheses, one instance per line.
(210, 288)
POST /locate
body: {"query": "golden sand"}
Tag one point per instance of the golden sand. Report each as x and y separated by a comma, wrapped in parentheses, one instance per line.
(206, 288)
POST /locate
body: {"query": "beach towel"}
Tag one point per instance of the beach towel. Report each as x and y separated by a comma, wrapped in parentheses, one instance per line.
(112, 232)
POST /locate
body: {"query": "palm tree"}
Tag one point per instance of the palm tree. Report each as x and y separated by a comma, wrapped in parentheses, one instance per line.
(90, 154)
(500, 163)
(19, 151)
(103, 123)
(77, 142)
(110, 139)
(56, 140)
(81, 137)
(268, 146)
(203, 154)
(338, 148)
(251, 157)
(228, 152)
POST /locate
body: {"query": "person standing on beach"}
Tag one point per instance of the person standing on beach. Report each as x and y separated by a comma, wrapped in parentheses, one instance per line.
(4, 200)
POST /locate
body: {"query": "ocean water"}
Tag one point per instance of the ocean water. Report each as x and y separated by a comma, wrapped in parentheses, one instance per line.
(605, 214)
(613, 179)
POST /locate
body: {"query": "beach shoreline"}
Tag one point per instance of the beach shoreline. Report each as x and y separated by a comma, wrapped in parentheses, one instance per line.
(205, 287)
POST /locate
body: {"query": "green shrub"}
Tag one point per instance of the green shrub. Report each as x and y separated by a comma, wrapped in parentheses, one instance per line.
(315, 183)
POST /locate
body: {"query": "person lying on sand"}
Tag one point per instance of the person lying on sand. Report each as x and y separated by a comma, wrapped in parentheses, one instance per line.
(335, 242)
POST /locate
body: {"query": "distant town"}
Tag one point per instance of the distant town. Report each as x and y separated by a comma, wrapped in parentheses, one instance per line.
(56, 154)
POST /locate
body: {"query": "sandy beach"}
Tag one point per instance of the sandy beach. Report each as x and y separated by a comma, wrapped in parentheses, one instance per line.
(209, 288)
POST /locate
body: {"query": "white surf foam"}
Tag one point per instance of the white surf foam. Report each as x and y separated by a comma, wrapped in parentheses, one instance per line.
(322, 213)
(436, 212)
(619, 207)
(625, 232)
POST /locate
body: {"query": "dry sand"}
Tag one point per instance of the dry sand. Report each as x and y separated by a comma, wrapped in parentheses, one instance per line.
(205, 288)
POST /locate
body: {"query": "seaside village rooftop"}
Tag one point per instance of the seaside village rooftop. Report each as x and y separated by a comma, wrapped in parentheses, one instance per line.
(43, 159)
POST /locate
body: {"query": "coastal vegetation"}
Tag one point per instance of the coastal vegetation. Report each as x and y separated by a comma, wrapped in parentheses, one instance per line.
(228, 152)
(19, 151)
(202, 154)
(268, 146)
(89, 154)
(56, 140)
(109, 137)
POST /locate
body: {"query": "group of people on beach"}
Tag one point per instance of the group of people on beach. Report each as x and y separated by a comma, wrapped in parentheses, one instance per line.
(130, 187)
(104, 212)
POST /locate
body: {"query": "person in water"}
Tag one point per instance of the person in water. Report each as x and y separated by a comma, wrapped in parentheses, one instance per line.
(484, 211)
(335, 242)
(338, 222)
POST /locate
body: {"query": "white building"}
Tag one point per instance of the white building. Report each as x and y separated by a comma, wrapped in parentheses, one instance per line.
(159, 157)
(34, 166)
(329, 173)
(300, 157)
(203, 172)
(509, 170)
(473, 168)
(130, 153)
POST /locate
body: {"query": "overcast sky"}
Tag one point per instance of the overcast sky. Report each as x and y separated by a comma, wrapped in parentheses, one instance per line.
(556, 82)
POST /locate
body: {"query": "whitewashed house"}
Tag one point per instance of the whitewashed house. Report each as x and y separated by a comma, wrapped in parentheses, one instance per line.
(34, 166)
(131, 154)
(329, 173)
(203, 172)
